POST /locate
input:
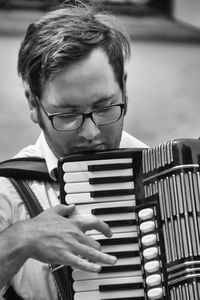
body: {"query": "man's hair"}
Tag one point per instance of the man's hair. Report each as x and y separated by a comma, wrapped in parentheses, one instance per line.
(66, 35)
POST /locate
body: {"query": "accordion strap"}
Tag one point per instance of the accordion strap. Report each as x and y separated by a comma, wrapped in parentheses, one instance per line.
(32, 168)
(25, 168)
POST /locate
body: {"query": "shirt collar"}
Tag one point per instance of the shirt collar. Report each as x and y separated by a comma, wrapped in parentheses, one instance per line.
(48, 155)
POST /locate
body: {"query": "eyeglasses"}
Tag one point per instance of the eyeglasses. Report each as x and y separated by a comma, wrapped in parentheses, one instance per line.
(73, 121)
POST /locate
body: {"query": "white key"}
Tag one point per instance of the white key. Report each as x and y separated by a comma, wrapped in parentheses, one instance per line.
(118, 216)
(117, 235)
(78, 166)
(116, 248)
(131, 228)
(86, 198)
(96, 295)
(127, 261)
(86, 208)
(85, 176)
(81, 275)
(84, 187)
(93, 285)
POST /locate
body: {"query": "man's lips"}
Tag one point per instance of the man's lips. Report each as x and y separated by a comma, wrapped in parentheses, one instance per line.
(83, 148)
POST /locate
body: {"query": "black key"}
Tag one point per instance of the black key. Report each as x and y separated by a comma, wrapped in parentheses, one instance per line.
(122, 268)
(110, 167)
(127, 298)
(125, 254)
(109, 193)
(118, 241)
(120, 287)
(112, 210)
(114, 179)
(117, 223)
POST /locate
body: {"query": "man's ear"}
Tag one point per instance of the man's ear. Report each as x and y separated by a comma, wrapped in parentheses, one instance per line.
(126, 104)
(125, 93)
(32, 105)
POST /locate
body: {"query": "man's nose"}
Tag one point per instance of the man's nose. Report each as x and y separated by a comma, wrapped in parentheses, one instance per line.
(88, 130)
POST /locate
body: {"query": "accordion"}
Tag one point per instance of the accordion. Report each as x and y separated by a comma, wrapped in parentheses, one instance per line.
(151, 200)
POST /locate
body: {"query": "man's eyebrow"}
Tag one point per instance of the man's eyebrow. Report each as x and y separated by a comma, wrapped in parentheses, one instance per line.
(104, 99)
(74, 106)
(64, 106)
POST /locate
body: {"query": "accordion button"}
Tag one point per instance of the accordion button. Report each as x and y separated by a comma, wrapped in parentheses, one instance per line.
(155, 294)
(148, 240)
(147, 226)
(153, 280)
(152, 266)
(145, 214)
(150, 253)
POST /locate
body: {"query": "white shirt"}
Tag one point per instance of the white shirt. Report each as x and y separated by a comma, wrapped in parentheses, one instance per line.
(34, 280)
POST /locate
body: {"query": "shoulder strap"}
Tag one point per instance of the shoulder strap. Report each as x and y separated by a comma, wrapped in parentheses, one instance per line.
(25, 168)
(31, 202)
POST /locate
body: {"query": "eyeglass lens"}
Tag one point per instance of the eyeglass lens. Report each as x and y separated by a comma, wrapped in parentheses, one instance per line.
(100, 117)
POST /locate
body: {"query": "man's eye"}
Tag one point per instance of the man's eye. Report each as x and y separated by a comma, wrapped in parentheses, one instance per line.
(69, 117)
(105, 109)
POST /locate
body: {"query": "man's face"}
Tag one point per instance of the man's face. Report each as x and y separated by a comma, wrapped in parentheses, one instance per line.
(85, 85)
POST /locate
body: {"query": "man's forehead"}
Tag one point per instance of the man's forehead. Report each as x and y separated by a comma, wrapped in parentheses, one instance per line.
(91, 80)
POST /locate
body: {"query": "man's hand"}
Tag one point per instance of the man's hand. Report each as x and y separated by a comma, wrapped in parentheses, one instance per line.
(57, 236)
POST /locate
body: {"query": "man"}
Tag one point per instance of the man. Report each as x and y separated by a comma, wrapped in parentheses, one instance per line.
(72, 63)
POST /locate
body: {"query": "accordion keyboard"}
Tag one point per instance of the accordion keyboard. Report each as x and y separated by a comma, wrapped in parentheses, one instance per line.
(103, 185)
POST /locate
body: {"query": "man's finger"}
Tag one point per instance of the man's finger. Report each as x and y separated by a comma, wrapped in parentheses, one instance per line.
(92, 222)
(94, 255)
(82, 264)
(89, 241)
(103, 228)
(63, 210)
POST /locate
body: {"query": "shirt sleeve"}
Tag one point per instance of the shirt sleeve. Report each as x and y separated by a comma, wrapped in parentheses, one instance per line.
(12, 210)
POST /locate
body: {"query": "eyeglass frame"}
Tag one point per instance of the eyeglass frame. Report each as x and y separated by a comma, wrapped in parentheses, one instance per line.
(50, 116)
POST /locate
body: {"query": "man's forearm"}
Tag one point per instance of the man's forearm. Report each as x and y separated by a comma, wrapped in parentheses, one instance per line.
(11, 253)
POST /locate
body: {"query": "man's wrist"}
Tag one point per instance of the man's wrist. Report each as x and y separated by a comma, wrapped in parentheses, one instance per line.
(13, 251)
(14, 241)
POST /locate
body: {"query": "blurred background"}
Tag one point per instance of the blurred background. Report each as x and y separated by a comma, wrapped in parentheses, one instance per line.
(163, 73)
